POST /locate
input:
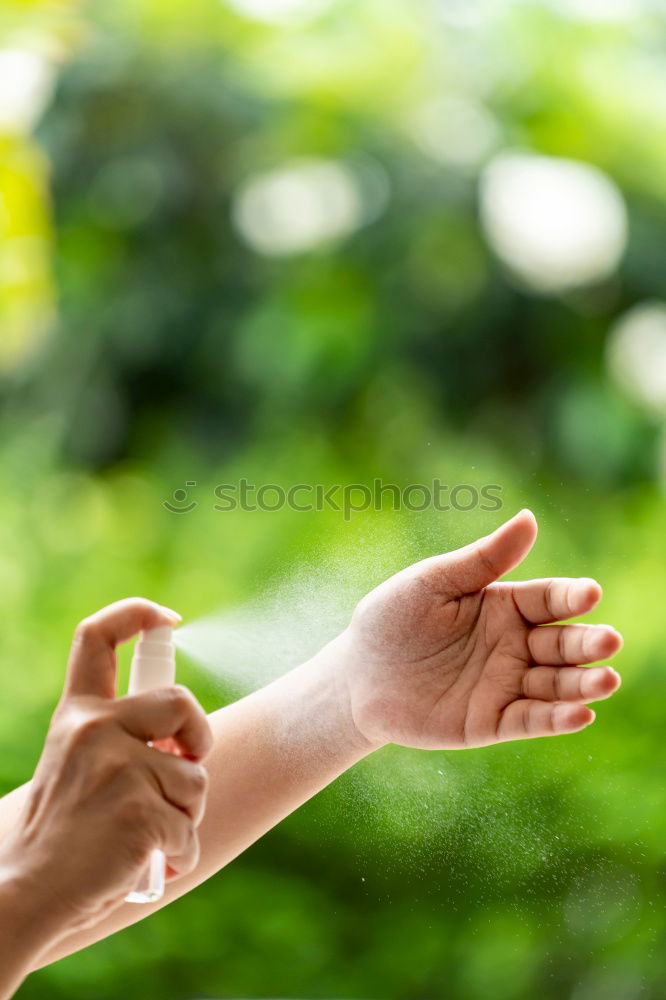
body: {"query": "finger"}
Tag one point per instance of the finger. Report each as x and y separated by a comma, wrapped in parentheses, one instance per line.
(181, 782)
(181, 864)
(167, 712)
(570, 683)
(477, 565)
(92, 663)
(154, 824)
(173, 829)
(544, 601)
(528, 718)
(565, 644)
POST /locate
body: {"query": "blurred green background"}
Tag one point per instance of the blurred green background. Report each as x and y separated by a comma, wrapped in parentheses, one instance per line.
(324, 241)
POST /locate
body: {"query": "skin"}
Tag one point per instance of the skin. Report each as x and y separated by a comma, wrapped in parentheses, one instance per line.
(99, 792)
(440, 656)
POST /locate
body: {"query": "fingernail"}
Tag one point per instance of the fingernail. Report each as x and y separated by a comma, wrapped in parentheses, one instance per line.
(619, 635)
(583, 589)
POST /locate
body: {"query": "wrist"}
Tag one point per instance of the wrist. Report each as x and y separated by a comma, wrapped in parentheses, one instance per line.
(324, 693)
(309, 711)
(29, 925)
(332, 664)
(26, 890)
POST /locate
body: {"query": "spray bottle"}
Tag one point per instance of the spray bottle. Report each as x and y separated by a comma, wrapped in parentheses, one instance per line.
(153, 666)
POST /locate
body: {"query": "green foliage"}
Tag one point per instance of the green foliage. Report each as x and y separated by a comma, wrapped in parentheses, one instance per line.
(403, 350)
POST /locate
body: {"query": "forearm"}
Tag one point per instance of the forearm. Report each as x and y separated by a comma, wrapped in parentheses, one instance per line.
(28, 928)
(272, 751)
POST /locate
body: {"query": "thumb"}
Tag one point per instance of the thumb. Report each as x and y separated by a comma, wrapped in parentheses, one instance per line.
(92, 662)
(483, 562)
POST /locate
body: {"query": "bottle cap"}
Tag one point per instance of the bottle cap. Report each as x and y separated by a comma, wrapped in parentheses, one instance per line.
(154, 660)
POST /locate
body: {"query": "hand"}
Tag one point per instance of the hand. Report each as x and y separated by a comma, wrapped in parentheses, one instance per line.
(441, 656)
(101, 799)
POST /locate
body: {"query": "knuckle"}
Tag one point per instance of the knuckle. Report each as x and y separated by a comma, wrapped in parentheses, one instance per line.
(87, 630)
(63, 720)
(198, 780)
(557, 685)
(90, 725)
(142, 603)
(77, 726)
(549, 596)
(180, 697)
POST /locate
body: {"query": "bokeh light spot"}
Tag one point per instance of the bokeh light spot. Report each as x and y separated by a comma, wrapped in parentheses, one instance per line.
(26, 84)
(454, 131)
(298, 207)
(637, 355)
(556, 224)
(600, 10)
(279, 11)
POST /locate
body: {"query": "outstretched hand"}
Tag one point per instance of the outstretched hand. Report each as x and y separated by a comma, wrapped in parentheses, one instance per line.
(442, 656)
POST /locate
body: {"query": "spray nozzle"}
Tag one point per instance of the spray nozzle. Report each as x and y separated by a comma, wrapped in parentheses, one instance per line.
(154, 660)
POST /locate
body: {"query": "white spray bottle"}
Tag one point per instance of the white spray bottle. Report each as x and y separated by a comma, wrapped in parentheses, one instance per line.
(153, 666)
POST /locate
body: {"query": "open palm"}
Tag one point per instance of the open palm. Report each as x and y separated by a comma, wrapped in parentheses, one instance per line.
(443, 656)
